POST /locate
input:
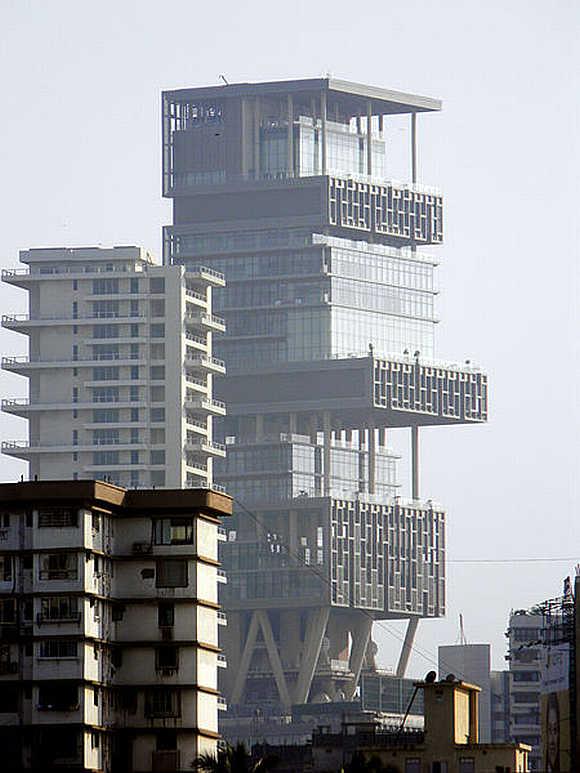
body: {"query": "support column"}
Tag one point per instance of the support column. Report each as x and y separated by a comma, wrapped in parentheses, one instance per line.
(415, 462)
(290, 135)
(315, 629)
(407, 646)
(361, 635)
(292, 423)
(372, 459)
(323, 130)
(274, 657)
(327, 452)
(369, 138)
(414, 147)
(257, 138)
(244, 663)
(259, 427)
(381, 124)
(244, 136)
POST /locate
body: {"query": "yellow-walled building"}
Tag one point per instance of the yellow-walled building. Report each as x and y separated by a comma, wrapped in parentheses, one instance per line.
(449, 743)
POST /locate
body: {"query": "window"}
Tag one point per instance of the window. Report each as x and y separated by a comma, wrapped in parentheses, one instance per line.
(166, 658)
(133, 394)
(75, 437)
(134, 457)
(8, 698)
(134, 352)
(166, 740)
(162, 703)
(157, 285)
(57, 517)
(157, 394)
(5, 520)
(105, 331)
(106, 373)
(57, 648)
(134, 372)
(158, 457)
(134, 435)
(165, 614)
(75, 310)
(57, 608)
(134, 479)
(6, 563)
(106, 394)
(105, 286)
(171, 573)
(134, 285)
(7, 611)
(173, 531)
(134, 414)
(101, 458)
(75, 395)
(157, 414)
(95, 739)
(106, 416)
(75, 284)
(58, 566)
(106, 351)
(134, 331)
(467, 765)
(105, 437)
(157, 331)
(157, 308)
(75, 352)
(106, 309)
(58, 697)
(157, 373)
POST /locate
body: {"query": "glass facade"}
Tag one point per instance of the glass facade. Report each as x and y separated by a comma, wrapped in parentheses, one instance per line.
(328, 297)
(292, 466)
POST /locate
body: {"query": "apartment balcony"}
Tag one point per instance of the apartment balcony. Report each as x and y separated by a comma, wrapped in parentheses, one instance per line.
(23, 277)
(205, 274)
(203, 362)
(222, 618)
(196, 341)
(23, 364)
(196, 299)
(194, 445)
(23, 449)
(199, 426)
(206, 405)
(23, 322)
(204, 320)
(222, 534)
(221, 660)
(195, 384)
(23, 406)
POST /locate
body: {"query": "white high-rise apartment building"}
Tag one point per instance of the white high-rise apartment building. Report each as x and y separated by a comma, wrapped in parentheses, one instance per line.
(120, 368)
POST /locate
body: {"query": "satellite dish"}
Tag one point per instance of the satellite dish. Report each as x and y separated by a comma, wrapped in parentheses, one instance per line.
(451, 678)
(431, 677)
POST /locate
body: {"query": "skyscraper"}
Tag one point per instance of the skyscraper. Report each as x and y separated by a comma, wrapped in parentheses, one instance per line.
(120, 368)
(329, 306)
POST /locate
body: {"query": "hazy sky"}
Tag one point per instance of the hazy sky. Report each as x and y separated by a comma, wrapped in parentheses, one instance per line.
(80, 165)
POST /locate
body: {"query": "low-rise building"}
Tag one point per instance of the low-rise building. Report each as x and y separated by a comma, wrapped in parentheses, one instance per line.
(448, 744)
(108, 626)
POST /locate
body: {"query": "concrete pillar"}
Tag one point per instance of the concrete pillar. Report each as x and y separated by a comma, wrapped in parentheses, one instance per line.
(274, 657)
(415, 462)
(257, 137)
(372, 459)
(244, 136)
(381, 123)
(414, 147)
(244, 663)
(315, 630)
(327, 452)
(290, 135)
(361, 635)
(407, 646)
(369, 138)
(259, 427)
(323, 130)
(292, 423)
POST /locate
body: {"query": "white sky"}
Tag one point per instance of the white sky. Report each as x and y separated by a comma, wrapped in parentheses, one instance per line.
(80, 165)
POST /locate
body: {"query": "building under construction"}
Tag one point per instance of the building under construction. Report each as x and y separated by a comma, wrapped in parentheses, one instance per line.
(285, 188)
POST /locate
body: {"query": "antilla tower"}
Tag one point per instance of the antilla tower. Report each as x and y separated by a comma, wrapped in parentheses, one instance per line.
(329, 307)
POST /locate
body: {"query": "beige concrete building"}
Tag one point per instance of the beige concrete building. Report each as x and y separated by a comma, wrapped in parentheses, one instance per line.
(449, 743)
(120, 368)
(109, 621)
